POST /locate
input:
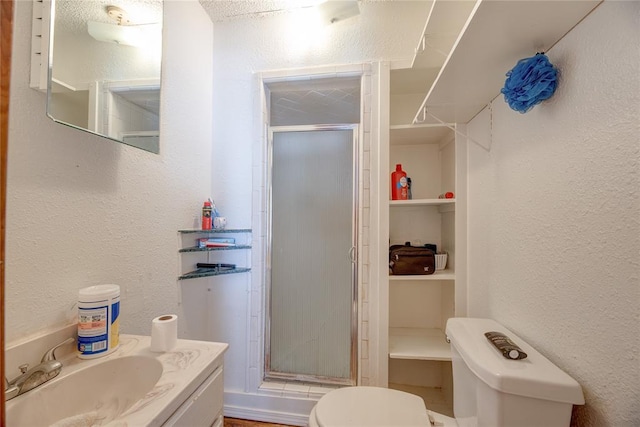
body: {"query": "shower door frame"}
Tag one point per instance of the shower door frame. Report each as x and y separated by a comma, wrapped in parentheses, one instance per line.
(353, 254)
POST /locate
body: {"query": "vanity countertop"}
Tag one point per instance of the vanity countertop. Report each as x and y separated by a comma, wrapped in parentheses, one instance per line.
(184, 369)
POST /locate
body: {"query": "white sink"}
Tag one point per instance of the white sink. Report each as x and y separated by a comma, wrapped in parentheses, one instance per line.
(130, 387)
(97, 394)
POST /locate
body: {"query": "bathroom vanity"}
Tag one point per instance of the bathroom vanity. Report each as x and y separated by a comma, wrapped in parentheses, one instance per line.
(131, 386)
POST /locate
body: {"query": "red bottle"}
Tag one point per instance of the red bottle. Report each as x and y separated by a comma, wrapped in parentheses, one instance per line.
(206, 216)
(399, 188)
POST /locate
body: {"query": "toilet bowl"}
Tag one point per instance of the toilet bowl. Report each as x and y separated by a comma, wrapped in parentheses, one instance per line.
(373, 406)
(488, 390)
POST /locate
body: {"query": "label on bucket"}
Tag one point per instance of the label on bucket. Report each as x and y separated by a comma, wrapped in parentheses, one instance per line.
(95, 327)
(115, 324)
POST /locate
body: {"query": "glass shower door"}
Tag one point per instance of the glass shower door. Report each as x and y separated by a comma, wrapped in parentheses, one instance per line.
(312, 312)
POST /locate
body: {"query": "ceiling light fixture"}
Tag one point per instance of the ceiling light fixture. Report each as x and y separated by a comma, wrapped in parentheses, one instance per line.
(335, 11)
(122, 33)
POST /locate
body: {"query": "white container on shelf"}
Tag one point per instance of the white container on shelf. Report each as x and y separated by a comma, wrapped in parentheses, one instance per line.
(441, 261)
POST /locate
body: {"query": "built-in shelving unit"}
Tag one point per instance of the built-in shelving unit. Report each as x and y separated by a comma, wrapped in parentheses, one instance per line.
(208, 272)
(419, 305)
(460, 65)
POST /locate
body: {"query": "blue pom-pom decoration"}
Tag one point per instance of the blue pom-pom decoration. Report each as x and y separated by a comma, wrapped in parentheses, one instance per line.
(530, 82)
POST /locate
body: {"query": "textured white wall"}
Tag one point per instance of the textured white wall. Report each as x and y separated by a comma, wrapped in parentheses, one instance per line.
(384, 30)
(554, 234)
(241, 48)
(82, 210)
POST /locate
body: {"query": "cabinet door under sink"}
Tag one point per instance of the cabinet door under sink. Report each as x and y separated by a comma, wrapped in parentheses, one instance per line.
(204, 406)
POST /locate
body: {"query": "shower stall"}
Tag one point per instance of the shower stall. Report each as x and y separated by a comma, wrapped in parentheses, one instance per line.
(311, 277)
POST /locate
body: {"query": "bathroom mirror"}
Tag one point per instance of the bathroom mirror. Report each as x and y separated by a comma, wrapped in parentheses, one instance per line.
(104, 68)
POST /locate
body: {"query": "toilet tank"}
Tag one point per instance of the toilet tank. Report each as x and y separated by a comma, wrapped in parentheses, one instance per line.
(491, 390)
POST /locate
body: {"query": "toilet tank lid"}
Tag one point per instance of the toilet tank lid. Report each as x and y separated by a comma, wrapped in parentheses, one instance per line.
(534, 376)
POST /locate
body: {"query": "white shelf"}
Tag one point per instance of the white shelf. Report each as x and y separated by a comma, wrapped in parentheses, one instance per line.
(438, 275)
(446, 20)
(412, 78)
(418, 344)
(58, 86)
(422, 202)
(418, 134)
(497, 35)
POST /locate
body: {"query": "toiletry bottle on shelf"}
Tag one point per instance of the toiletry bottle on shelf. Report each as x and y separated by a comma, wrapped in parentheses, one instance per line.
(206, 216)
(214, 210)
(399, 188)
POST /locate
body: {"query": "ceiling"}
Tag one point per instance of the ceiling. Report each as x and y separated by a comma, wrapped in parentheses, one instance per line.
(72, 15)
(226, 10)
(75, 13)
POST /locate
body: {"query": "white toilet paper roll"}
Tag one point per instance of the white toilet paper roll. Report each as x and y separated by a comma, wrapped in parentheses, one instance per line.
(164, 332)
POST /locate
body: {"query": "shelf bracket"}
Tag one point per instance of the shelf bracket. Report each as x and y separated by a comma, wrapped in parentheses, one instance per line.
(425, 112)
(422, 46)
(424, 117)
(426, 44)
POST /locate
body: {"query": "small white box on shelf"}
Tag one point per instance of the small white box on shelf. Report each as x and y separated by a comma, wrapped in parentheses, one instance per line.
(441, 261)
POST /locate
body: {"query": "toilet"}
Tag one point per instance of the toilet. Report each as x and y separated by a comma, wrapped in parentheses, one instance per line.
(489, 390)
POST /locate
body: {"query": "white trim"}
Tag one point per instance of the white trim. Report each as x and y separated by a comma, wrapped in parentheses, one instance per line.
(263, 407)
(379, 290)
(265, 416)
(354, 359)
(369, 73)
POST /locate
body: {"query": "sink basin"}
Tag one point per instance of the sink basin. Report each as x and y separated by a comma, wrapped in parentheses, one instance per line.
(96, 394)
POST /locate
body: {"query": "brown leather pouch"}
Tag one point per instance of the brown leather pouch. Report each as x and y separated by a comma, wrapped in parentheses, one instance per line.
(410, 260)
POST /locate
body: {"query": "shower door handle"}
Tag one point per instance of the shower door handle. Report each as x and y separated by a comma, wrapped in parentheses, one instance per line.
(352, 254)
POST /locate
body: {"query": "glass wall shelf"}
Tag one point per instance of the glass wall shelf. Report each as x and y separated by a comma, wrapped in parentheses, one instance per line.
(215, 248)
(213, 231)
(207, 272)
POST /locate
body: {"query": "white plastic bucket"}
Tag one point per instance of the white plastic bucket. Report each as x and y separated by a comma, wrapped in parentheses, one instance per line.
(98, 320)
(441, 261)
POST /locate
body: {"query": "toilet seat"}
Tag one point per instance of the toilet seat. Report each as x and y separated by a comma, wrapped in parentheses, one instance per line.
(369, 406)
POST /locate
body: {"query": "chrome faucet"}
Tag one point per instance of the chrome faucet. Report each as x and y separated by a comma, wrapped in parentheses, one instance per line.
(47, 369)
